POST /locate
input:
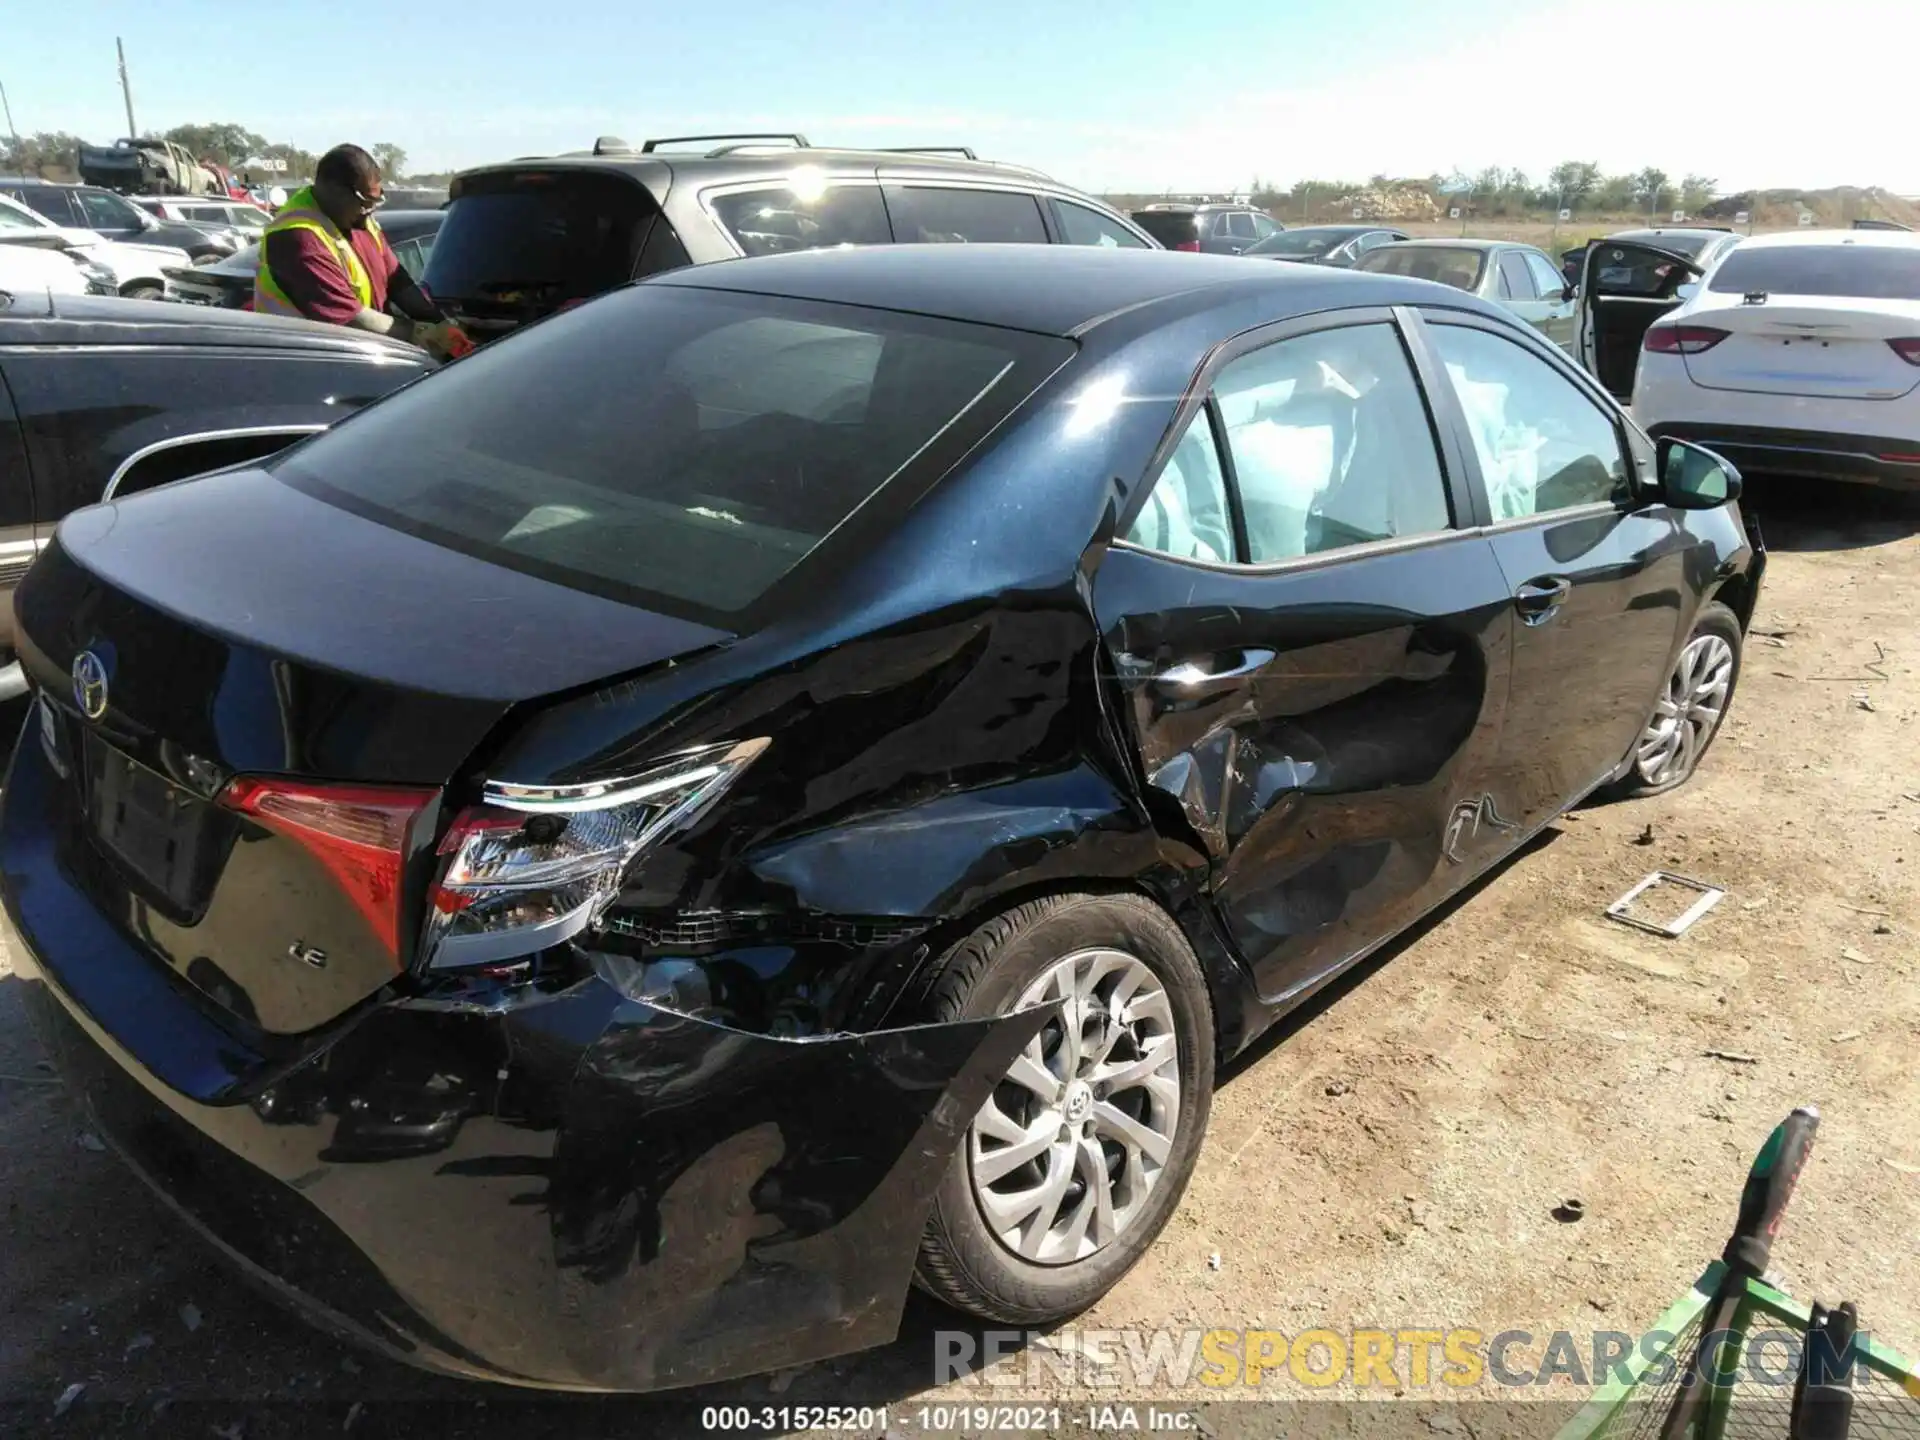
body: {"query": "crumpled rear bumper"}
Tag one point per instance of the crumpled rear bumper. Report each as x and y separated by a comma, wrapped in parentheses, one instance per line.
(585, 1193)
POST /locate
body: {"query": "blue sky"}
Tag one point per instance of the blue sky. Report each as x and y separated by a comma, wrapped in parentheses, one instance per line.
(1115, 96)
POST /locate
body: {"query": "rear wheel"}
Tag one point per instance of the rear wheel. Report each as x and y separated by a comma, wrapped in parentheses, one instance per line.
(1084, 1148)
(144, 290)
(1691, 707)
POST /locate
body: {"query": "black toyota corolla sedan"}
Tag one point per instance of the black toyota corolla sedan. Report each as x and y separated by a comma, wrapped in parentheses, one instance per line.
(789, 779)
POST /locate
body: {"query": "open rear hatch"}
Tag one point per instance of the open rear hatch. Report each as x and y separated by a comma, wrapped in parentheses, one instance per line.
(251, 700)
(518, 244)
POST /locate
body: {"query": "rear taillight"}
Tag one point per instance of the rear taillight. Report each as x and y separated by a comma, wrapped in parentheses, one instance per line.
(1907, 349)
(1682, 339)
(534, 865)
(1191, 246)
(357, 832)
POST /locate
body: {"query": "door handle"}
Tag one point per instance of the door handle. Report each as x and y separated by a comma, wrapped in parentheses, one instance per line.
(1538, 600)
(1191, 675)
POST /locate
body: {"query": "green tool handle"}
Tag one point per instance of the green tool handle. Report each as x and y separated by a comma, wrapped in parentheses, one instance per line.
(1763, 1200)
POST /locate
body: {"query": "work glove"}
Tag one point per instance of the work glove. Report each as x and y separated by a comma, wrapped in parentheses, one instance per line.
(443, 340)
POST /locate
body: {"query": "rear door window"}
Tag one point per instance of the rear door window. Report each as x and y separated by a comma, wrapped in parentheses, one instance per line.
(107, 211)
(1240, 225)
(1331, 443)
(56, 205)
(937, 214)
(1079, 225)
(522, 244)
(1515, 280)
(672, 446)
(1864, 272)
(1545, 276)
(775, 220)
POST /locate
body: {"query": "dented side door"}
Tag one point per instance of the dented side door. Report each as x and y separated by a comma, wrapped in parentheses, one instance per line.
(1325, 726)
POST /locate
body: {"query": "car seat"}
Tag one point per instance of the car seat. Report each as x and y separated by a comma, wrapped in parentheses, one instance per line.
(1183, 514)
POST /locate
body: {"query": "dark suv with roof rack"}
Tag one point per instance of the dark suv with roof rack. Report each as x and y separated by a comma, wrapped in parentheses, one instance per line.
(1209, 227)
(523, 239)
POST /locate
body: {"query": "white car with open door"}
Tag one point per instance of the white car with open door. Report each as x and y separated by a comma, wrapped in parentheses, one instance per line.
(1629, 280)
(1797, 352)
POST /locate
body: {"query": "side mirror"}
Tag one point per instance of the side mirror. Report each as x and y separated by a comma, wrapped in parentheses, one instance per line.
(1569, 293)
(1694, 478)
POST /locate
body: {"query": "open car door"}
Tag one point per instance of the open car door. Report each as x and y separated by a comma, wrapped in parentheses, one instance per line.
(1625, 287)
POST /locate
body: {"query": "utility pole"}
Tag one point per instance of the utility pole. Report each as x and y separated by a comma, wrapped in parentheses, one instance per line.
(126, 90)
(12, 129)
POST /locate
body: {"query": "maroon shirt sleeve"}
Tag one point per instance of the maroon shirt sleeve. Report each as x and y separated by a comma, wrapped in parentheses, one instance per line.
(306, 268)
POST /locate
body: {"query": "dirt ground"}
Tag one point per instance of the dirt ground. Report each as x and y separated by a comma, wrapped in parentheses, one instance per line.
(1391, 1159)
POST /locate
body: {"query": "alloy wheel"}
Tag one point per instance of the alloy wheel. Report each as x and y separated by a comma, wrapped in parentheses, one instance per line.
(1071, 1143)
(1687, 713)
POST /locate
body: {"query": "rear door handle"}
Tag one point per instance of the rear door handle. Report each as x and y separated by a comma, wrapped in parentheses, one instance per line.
(1191, 675)
(1538, 600)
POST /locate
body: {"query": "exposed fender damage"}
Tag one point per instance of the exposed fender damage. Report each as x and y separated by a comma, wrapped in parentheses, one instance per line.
(596, 1192)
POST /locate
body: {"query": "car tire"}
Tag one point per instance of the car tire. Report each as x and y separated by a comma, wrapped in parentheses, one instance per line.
(1669, 748)
(1123, 949)
(144, 290)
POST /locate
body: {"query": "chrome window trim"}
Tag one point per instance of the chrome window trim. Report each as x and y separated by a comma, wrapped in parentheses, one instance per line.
(175, 442)
(884, 176)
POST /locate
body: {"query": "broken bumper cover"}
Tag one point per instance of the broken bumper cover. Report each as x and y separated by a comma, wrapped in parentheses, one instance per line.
(586, 1193)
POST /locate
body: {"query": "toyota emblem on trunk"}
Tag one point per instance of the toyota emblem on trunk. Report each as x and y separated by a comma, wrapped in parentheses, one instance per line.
(90, 684)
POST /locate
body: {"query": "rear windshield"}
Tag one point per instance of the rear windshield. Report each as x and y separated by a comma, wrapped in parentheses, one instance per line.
(1458, 266)
(1169, 227)
(673, 446)
(1864, 272)
(539, 239)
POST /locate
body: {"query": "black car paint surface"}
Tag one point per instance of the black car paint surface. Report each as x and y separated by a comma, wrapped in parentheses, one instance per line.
(701, 1139)
(102, 395)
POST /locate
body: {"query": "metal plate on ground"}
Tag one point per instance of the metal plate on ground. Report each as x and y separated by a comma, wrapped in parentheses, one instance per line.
(1710, 896)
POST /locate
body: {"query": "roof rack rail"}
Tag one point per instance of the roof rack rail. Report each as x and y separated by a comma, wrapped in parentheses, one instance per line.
(965, 152)
(798, 142)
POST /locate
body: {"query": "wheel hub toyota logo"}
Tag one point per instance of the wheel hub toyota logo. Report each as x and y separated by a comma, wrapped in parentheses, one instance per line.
(90, 684)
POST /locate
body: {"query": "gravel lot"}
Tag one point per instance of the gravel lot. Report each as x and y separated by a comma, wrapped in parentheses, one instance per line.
(1391, 1159)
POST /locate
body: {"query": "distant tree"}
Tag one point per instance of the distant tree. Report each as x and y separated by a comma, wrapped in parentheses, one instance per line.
(1697, 192)
(222, 141)
(1573, 182)
(1615, 192)
(391, 159)
(50, 153)
(1651, 188)
(300, 162)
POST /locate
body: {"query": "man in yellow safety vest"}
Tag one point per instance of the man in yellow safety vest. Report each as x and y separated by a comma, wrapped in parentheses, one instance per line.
(323, 257)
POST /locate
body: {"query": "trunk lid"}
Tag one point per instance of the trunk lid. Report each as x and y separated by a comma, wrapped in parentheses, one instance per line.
(1829, 347)
(180, 639)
